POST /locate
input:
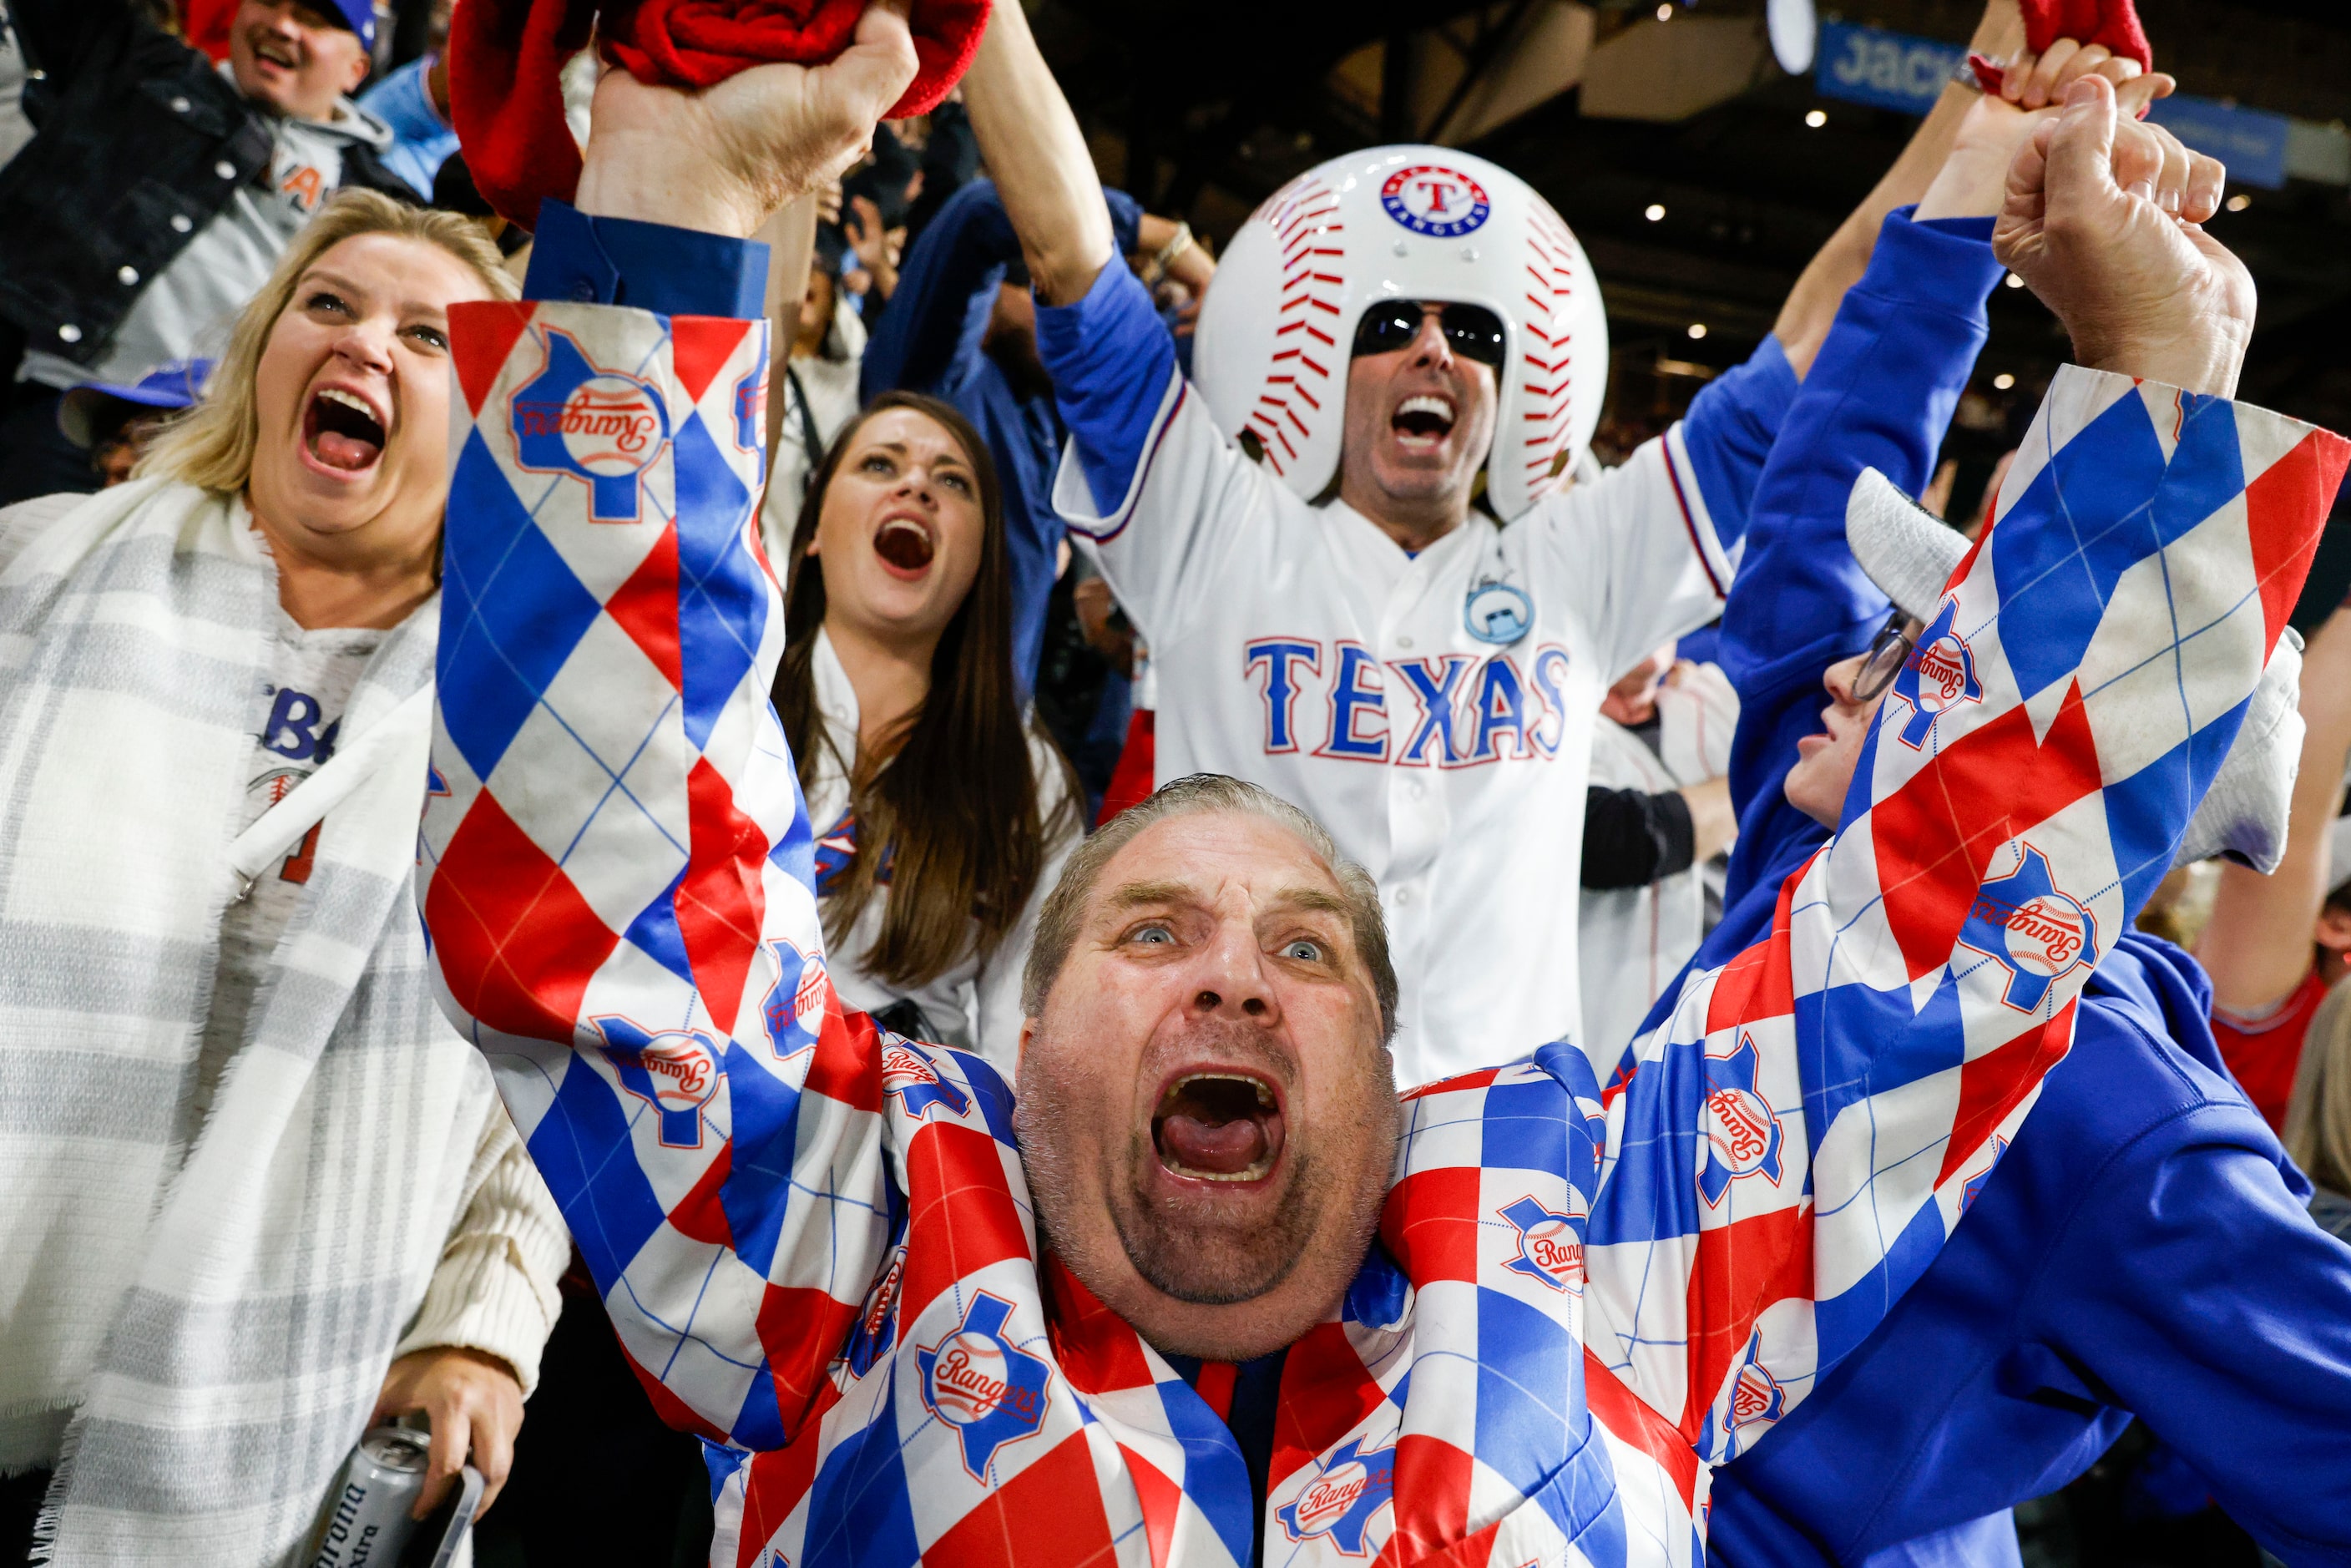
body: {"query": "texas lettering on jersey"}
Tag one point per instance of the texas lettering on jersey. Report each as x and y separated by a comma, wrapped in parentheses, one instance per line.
(1452, 710)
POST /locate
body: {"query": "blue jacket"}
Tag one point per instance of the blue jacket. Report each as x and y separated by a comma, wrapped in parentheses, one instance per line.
(929, 340)
(2142, 1248)
(421, 140)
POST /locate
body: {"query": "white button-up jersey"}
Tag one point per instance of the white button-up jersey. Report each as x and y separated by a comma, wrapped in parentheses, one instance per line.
(1434, 711)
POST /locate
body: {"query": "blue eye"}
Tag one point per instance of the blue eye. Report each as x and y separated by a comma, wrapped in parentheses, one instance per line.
(1303, 951)
(1153, 933)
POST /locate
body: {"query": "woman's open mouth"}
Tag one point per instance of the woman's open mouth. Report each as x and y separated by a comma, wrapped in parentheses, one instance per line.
(1218, 1126)
(1422, 421)
(342, 431)
(906, 547)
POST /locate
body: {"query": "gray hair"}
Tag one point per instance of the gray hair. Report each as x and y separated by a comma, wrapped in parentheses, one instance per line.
(2318, 1117)
(1065, 906)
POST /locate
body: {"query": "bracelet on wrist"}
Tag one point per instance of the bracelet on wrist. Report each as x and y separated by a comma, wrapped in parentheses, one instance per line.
(1177, 244)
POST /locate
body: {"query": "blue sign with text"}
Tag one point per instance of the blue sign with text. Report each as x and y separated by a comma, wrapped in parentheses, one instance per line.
(1883, 69)
(2251, 141)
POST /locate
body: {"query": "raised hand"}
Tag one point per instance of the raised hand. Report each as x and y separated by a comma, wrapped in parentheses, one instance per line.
(2101, 219)
(1974, 177)
(723, 158)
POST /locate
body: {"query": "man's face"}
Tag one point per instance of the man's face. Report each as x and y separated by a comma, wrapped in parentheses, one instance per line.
(294, 57)
(1207, 1115)
(1419, 423)
(1818, 783)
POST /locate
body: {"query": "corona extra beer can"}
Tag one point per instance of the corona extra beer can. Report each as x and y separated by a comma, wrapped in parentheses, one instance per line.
(368, 1521)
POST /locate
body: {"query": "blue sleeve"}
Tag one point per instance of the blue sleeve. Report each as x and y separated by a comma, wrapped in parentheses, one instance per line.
(421, 141)
(1111, 358)
(1880, 395)
(648, 267)
(2224, 1324)
(1728, 433)
(938, 316)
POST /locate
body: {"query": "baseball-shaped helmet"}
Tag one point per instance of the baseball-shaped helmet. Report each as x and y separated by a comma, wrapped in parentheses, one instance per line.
(1278, 326)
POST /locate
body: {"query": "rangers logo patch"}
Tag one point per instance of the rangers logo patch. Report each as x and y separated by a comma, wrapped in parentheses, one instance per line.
(1741, 1130)
(2023, 923)
(599, 426)
(908, 1073)
(1551, 1246)
(751, 411)
(675, 1071)
(980, 1382)
(1433, 200)
(793, 1009)
(1939, 676)
(1342, 1497)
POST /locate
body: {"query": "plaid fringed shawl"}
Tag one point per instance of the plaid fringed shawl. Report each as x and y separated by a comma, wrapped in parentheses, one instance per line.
(199, 1319)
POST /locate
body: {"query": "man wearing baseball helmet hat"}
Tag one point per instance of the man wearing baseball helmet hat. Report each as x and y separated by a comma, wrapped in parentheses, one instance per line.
(1393, 335)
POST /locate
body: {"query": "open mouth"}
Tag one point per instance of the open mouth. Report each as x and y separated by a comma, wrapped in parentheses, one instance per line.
(905, 546)
(342, 431)
(277, 51)
(1218, 1126)
(1423, 421)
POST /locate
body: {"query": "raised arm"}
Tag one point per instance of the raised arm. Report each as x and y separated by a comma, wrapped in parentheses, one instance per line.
(1793, 1143)
(617, 870)
(1037, 157)
(2257, 946)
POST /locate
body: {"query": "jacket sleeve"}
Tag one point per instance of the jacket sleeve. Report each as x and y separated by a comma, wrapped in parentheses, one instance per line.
(1880, 395)
(494, 1289)
(68, 40)
(1787, 1150)
(938, 316)
(618, 871)
(2224, 1324)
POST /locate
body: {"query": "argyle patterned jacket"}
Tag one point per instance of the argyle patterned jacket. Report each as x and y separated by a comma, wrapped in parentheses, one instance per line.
(815, 1237)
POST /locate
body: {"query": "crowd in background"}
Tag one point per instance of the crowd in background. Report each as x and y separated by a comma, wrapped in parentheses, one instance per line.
(964, 703)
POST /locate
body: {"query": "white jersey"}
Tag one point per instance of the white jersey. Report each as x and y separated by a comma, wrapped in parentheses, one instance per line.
(1434, 711)
(1634, 941)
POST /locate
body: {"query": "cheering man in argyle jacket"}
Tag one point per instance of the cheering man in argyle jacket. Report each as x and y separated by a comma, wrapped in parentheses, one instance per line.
(1517, 1314)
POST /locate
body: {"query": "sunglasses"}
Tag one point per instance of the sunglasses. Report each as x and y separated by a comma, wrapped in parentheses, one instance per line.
(1472, 331)
(1888, 652)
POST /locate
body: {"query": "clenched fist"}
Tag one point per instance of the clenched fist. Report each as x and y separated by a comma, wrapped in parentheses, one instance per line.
(2101, 218)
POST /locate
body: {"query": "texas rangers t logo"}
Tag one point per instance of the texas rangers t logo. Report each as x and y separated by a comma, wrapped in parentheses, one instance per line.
(1551, 1246)
(675, 1071)
(907, 1072)
(1939, 674)
(1742, 1131)
(2023, 923)
(1340, 1499)
(980, 1382)
(793, 1009)
(599, 425)
(1430, 199)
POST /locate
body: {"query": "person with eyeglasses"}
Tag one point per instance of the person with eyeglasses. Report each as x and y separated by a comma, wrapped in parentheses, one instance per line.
(1377, 569)
(2139, 1247)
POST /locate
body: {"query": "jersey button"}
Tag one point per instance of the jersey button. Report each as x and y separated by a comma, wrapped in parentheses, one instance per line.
(1402, 896)
(1415, 791)
(1404, 641)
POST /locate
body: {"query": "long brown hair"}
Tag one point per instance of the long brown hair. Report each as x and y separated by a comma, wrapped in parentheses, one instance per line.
(949, 804)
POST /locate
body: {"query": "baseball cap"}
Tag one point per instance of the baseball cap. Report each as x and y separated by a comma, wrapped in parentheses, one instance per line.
(1910, 553)
(175, 383)
(358, 15)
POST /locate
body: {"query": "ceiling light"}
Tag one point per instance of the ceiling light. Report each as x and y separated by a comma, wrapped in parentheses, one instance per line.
(1698, 330)
(2014, 282)
(1654, 212)
(2002, 382)
(1816, 118)
(1665, 13)
(2239, 202)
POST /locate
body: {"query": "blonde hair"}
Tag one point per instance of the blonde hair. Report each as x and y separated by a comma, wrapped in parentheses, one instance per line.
(2318, 1116)
(211, 444)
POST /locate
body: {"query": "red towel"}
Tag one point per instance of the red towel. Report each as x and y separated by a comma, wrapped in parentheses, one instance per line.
(504, 56)
(2112, 23)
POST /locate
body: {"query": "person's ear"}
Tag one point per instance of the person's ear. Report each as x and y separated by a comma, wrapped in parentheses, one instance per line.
(356, 72)
(809, 553)
(2334, 929)
(1021, 1050)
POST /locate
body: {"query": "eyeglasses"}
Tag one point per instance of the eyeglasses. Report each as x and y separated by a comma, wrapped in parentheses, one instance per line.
(1888, 652)
(1471, 331)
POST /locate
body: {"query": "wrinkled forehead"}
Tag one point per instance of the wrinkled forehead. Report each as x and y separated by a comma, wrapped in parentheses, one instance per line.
(1209, 858)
